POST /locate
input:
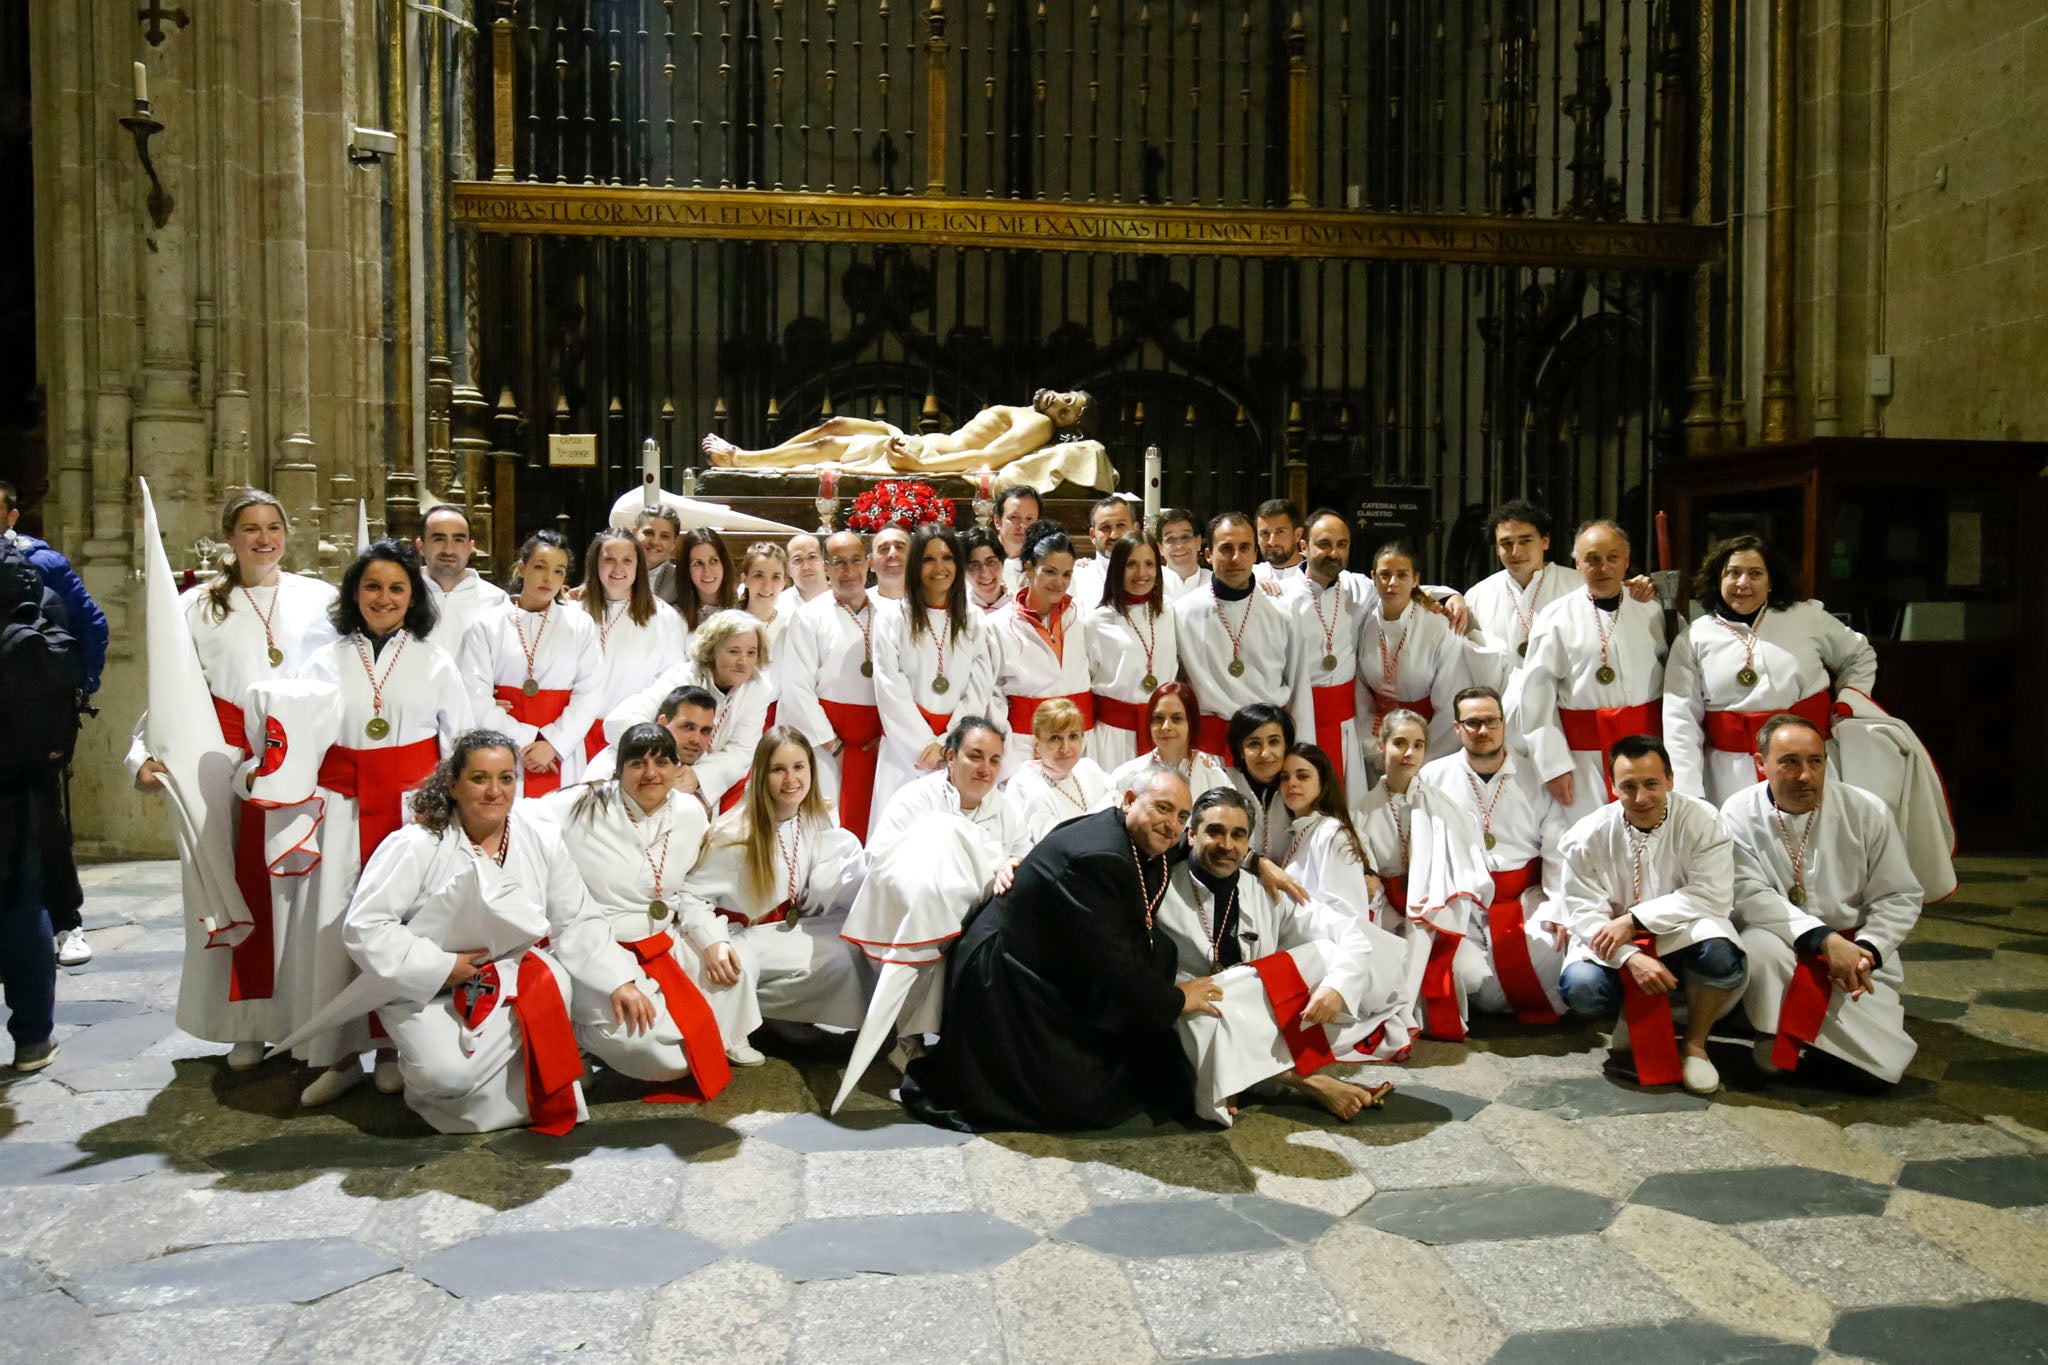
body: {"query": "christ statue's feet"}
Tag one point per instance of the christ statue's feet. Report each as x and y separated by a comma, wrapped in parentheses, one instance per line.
(719, 450)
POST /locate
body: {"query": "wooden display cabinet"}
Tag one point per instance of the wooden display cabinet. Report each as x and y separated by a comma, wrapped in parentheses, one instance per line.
(1932, 549)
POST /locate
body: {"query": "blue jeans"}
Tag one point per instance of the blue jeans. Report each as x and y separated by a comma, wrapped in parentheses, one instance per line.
(1718, 964)
(28, 957)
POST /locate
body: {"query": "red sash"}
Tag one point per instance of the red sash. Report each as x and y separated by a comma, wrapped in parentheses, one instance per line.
(1308, 1044)
(740, 921)
(1124, 715)
(1734, 732)
(1595, 731)
(1022, 709)
(1804, 1009)
(1508, 932)
(378, 780)
(859, 729)
(938, 723)
(1212, 737)
(593, 740)
(553, 1062)
(1335, 704)
(691, 1013)
(1652, 1037)
(1383, 702)
(1440, 1016)
(544, 707)
(252, 963)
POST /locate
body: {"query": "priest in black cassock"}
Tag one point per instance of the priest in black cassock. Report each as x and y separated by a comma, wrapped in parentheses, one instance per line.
(1061, 1008)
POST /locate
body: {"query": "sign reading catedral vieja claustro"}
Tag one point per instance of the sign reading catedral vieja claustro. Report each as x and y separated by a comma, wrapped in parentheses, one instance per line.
(759, 215)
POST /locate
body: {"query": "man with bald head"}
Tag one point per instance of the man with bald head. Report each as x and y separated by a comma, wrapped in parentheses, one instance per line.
(1061, 1007)
(828, 680)
(1594, 674)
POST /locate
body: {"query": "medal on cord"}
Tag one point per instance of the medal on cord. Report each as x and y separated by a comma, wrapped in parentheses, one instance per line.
(939, 683)
(1747, 674)
(1224, 912)
(1151, 679)
(1236, 636)
(1485, 806)
(1526, 619)
(531, 687)
(1315, 599)
(378, 727)
(657, 909)
(867, 643)
(1797, 895)
(275, 654)
(1604, 674)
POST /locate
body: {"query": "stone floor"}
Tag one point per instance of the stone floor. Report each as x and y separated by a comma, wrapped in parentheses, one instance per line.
(1511, 1204)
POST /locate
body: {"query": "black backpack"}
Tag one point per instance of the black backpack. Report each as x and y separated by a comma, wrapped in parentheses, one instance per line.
(42, 672)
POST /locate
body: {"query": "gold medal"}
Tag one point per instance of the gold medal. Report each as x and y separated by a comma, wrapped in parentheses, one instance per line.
(1149, 681)
(1237, 668)
(1490, 840)
(1329, 661)
(276, 657)
(657, 909)
(377, 728)
(1746, 676)
(530, 688)
(1605, 674)
(1797, 895)
(939, 684)
(867, 668)
(1522, 650)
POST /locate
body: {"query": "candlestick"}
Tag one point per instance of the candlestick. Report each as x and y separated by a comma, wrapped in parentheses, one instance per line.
(828, 482)
(985, 482)
(1152, 485)
(141, 83)
(650, 473)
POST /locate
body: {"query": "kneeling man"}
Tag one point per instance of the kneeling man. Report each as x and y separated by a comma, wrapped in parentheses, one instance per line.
(1298, 982)
(1824, 897)
(1649, 880)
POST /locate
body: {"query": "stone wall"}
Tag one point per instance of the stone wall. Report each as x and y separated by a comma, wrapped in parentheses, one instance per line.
(1922, 130)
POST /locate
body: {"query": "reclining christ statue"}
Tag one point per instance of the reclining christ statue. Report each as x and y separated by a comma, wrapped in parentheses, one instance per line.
(994, 437)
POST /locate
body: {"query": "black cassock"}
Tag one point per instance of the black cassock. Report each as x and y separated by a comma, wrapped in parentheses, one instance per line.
(1061, 1010)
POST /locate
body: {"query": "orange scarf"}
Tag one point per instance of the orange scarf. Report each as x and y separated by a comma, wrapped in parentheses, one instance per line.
(1053, 631)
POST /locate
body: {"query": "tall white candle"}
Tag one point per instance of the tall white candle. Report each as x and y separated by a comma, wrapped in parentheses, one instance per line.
(1152, 478)
(141, 83)
(650, 473)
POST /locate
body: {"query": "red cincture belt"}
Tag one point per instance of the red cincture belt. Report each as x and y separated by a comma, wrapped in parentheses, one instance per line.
(1441, 1017)
(1124, 715)
(1334, 705)
(544, 707)
(1595, 731)
(378, 779)
(1308, 1044)
(1651, 1036)
(1734, 732)
(691, 1013)
(1022, 709)
(252, 966)
(553, 1061)
(860, 731)
(1511, 960)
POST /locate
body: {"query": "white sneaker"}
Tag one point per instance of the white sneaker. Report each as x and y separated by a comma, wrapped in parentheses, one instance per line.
(745, 1054)
(1699, 1076)
(72, 949)
(331, 1085)
(390, 1080)
(242, 1056)
(1761, 1051)
(1618, 1040)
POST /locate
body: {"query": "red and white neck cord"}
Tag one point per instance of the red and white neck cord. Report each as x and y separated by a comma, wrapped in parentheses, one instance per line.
(369, 669)
(531, 651)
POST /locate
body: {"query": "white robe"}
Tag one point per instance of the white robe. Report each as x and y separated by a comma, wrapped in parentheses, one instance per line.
(457, 609)
(1174, 586)
(424, 699)
(905, 669)
(1797, 652)
(1428, 663)
(1561, 673)
(618, 853)
(1273, 645)
(1527, 825)
(1334, 616)
(1857, 881)
(233, 654)
(1244, 1045)
(826, 648)
(1688, 880)
(1504, 616)
(1119, 663)
(457, 1080)
(1027, 667)
(1445, 885)
(1201, 772)
(1086, 586)
(565, 657)
(635, 655)
(1272, 822)
(803, 971)
(1045, 803)
(736, 726)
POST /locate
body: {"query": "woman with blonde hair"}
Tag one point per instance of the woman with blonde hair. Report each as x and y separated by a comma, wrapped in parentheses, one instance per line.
(727, 657)
(250, 623)
(1061, 781)
(779, 874)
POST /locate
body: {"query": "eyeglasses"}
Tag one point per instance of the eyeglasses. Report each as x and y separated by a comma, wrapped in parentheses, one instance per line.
(1483, 724)
(838, 562)
(1189, 538)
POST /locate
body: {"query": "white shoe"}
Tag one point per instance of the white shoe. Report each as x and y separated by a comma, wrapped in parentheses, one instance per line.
(1618, 1040)
(242, 1056)
(1761, 1051)
(331, 1085)
(745, 1054)
(1699, 1076)
(390, 1080)
(72, 949)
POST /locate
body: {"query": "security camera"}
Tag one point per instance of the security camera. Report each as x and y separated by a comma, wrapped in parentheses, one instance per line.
(367, 145)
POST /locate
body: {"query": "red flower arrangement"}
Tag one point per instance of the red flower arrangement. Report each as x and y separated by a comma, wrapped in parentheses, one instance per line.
(900, 502)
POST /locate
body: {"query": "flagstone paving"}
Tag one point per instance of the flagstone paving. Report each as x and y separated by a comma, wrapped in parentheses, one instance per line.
(1513, 1203)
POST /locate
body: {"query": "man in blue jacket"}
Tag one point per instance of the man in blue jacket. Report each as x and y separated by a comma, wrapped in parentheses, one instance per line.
(88, 626)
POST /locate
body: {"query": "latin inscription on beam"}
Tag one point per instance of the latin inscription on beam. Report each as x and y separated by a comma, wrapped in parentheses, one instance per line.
(751, 215)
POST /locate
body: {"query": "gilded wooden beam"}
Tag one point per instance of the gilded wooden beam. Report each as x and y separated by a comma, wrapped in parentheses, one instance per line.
(936, 49)
(502, 104)
(1142, 229)
(1297, 112)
